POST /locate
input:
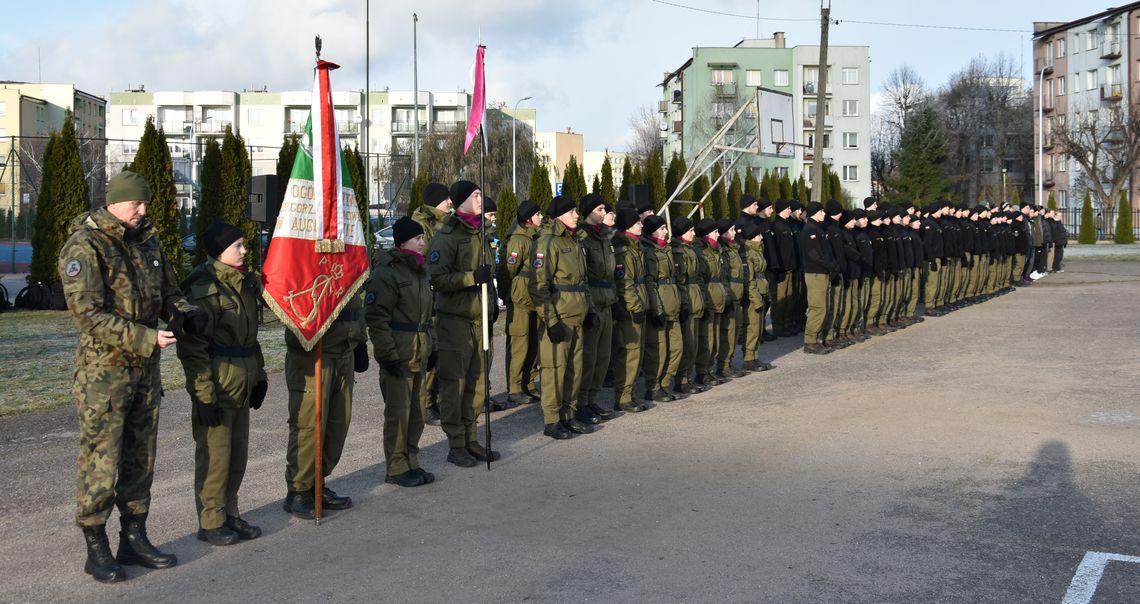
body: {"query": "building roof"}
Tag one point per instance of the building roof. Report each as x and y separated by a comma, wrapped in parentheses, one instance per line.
(1110, 12)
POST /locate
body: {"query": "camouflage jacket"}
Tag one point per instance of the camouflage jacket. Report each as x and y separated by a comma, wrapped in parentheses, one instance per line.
(430, 219)
(223, 363)
(118, 284)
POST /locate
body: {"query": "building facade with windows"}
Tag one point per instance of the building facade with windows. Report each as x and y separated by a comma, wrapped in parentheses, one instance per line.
(556, 148)
(29, 113)
(701, 96)
(1085, 68)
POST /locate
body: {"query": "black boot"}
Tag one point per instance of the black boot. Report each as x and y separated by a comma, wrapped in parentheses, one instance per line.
(300, 504)
(136, 548)
(100, 564)
(245, 531)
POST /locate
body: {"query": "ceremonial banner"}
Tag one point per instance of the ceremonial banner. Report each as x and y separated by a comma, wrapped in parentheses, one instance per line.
(318, 257)
(478, 103)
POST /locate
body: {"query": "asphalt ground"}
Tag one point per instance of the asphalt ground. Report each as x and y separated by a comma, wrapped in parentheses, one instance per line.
(976, 457)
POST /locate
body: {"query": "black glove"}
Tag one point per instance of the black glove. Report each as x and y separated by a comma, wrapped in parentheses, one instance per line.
(656, 320)
(192, 322)
(619, 312)
(433, 360)
(495, 314)
(685, 315)
(360, 358)
(729, 307)
(591, 320)
(846, 281)
(779, 276)
(933, 266)
(257, 395)
(638, 317)
(835, 279)
(558, 332)
(208, 415)
(483, 274)
(393, 368)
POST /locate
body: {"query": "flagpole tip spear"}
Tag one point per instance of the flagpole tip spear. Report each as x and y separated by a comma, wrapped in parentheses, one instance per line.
(317, 43)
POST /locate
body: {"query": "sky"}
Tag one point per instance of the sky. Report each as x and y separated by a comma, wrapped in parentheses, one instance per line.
(589, 65)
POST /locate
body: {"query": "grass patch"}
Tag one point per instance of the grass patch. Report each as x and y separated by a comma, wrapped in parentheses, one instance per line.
(38, 347)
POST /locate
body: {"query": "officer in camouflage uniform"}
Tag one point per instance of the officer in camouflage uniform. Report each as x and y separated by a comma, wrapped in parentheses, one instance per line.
(559, 290)
(437, 206)
(686, 269)
(118, 284)
(397, 309)
(522, 320)
(596, 239)
(344, 349)
(225, 376)
(460, 261)
(629, 310)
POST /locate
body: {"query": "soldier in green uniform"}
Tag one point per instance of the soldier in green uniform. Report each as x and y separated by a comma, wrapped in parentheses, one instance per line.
(711, 276)
(687, 276)
(436, 206)
(756, 298)
(397, 310)
(118, 284)
(225, 376)
(344, 350)
(629, 310)
(663, 333)
(559, 290)
(596, 238)
(459, 263)
(522, 320)
(731, 317)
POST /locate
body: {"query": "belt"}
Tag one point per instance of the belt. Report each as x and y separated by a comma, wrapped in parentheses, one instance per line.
(569, 288)
(237, 352)
(736, 280)
(718, 281)
(665, 281)
(602, 284)
(348, 317)
(639, 281)
(409, 327)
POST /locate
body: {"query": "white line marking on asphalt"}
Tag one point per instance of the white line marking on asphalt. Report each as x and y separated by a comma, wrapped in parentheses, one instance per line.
(1088, 575)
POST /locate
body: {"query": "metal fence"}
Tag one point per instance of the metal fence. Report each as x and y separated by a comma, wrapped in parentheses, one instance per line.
(1105, 222)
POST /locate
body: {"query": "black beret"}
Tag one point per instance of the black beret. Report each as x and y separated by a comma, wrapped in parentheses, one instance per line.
(723, 225)
(434, 194)
(868, 202)
(461, 190)
(705, 226)
(746, 200)
(795, 205)
(589, 202)
(644, 205)
(559, 206)
(859, 213)
(874, 215)
(764, 204)
(681, 225)
(405, 229)
(782, 205)
(814, 208)
(847, 216)
(750, 230)
(652, 223)
(833, 207)
(626, 217)
(489, 205)
(218, 237)
(527, 210)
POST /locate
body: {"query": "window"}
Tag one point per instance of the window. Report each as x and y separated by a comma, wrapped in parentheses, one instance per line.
(850, 108)
(1112, 74)
(987, 165)
(722, 109)
(826, 140)
(850, 75)
(3, 108)
(1062, 163)
(256, 117)
(1076, 42)
(780, 77)
(1060, 48)
(1008, 165)
(1050, 90)
(850, 173)
(781, 172)
(987, 141)
(722, 76)
(811, 74)
(850, 140)
(1060, 85)
(1063, 199)
(3, 132)
(130, 117)
(752, 77)
(1090, 80)
(1090, 40)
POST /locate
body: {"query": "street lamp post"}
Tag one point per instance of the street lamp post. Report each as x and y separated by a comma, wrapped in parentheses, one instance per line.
(514, 121)
(1045, 70)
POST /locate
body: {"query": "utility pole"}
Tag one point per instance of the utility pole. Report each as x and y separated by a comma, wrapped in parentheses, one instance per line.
(415, 101)
(366, 120)
(820, 104)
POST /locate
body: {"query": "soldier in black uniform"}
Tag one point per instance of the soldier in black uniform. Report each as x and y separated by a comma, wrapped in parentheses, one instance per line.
(821, 272)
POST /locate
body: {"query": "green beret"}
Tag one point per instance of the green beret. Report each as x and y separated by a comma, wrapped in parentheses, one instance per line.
(127, 186)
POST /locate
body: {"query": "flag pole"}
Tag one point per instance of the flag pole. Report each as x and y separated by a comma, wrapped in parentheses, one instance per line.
(318, 489)
(486, 302)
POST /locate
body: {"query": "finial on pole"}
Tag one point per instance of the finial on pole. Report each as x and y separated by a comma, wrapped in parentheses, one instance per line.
(318, 44)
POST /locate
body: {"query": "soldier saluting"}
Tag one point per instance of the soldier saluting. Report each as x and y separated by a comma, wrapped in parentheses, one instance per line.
(118, 284)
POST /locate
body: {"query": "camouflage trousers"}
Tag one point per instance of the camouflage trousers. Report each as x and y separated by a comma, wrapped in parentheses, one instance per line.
(118, 426)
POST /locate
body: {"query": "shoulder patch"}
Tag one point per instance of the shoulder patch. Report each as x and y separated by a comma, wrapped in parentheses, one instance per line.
(538, 262)
(73, 268)
(370, 298)
(619, 271)
(513, 258)
(811, 236)
(434, 257)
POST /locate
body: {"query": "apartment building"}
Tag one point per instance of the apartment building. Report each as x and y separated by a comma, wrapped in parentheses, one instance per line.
(1083, 68)
(556, 148)
(29, 113)
(704, 92)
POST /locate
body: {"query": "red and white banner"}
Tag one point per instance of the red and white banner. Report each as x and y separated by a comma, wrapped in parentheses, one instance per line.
(318, 258)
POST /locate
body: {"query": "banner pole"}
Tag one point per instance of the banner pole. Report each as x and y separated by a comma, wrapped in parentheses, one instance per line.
(319, 478)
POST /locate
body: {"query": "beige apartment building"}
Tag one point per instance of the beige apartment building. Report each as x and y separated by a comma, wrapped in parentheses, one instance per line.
(556, 149)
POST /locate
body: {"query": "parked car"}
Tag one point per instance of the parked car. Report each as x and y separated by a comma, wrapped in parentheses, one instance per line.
(384, 238)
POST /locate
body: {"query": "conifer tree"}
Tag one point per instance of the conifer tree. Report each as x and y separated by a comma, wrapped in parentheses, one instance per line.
(1087, 233)
(153, 163)
(210, 194)
(653, 177)
(596, 186)
(732, 201)
(1052, 203)
(44, 265)
(573, 183)
(540, 192)
(785, 187)
(627, 180)
(607, 186)
(507, 214)
(1124, 232)
(751, 185)
(235, 172)
(416, 195)
(713, 203)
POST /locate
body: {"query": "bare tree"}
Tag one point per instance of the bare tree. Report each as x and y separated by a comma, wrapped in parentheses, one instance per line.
(646, 135)
(884, 144)
(1106, 144)
(903, 90)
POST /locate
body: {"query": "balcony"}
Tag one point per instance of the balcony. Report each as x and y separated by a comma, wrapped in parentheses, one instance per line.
(677, 97)
(1111, 50)
(1046, 64)
(809, 122)
(678, 127)
(662, 106)
(813, 87)
(1048, 108)
(212, 126)
(348, 127)
(1047, 144)
(447, 127)
(1111, 92)
(408, 127)
(176, 128)
(1047, 180)
(724, 90)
